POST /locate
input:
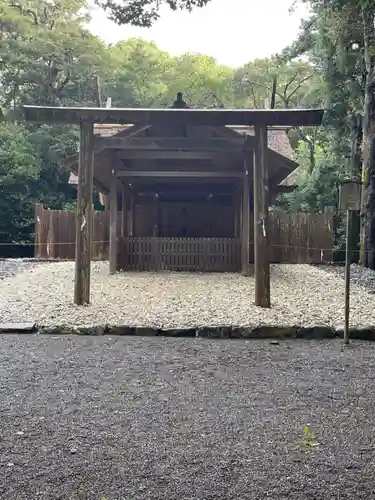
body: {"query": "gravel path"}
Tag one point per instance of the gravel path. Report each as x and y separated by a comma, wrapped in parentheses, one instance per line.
(301, 294)
(358, 275)
(101, 418)
(11, 267)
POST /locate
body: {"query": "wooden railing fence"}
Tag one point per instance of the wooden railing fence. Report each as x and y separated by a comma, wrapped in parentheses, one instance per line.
(180, 254)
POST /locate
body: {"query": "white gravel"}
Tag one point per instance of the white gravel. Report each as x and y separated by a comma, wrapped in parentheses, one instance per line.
(301, 295)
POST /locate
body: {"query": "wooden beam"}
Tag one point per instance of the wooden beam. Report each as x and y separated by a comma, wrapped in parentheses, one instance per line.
(171, 143)
(214, 117)
(84, 215)
(261, 227)
(171, 155)
(200, 186)
(113, 224)
(74, 170)
(173, 186)
(246, 221)
(179, 174)
(133, 130)
(227, 132)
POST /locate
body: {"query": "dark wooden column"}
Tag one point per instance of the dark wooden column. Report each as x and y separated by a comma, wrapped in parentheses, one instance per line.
(84, 214)
(113, 224)
(261, 206)
(131, 213)
(124, 211)
(246, 220)
(210, 211)
(155, 215)
(237, 208)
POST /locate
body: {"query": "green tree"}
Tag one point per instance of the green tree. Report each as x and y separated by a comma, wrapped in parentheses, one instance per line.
(203, 81)
(53, 143)
(341, 35)
(20, 166)
(139, 74)
(144, 12)
(282, 82)
(44, 49)
(295, 83)
(317, 188)
(46, 57)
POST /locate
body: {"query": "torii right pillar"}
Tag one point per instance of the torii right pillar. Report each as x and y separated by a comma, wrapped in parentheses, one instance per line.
(261, 226)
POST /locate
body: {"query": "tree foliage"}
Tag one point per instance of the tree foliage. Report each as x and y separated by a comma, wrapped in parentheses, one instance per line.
(144, 12)
(317, 187)
(340, 39)
(139, 75)
(44, 48)
(20, 166)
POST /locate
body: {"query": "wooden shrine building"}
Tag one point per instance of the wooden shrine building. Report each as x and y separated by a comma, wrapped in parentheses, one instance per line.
(172, 175)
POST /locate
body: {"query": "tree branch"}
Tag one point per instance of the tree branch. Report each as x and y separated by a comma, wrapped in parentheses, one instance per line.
(299, 86)
(311, 145)
(289, 83)
(267, 87)
(219, 101)
(26, 11)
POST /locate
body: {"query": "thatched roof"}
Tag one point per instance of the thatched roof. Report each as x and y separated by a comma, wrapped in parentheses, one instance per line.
(278, 140)
(291, 180)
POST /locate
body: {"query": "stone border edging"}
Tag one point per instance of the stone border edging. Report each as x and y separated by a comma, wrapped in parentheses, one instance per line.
(220, 332)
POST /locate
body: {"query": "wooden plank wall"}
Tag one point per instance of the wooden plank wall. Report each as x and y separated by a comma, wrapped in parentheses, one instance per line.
(301, 237)
(295, 238)
(55, 234)
(198, 219)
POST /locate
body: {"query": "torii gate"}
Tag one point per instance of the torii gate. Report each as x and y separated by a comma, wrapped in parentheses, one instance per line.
(261, 119)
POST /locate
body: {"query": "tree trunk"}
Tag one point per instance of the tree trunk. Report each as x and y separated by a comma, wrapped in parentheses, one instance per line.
(310, 141)
(367, 249)
(273, 93)
(356, 146)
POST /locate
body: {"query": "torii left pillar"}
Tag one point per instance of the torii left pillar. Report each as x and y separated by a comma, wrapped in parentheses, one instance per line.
(261, 226)
(84, 214)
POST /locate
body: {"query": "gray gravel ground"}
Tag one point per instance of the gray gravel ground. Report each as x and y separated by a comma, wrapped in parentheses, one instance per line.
(11, 267)
(148, 418)
(358, 275)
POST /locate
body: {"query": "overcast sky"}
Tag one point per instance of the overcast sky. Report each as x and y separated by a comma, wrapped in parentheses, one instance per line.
(232, 31)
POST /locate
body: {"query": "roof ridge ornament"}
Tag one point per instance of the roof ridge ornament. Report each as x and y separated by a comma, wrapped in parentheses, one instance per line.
(179, 103)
